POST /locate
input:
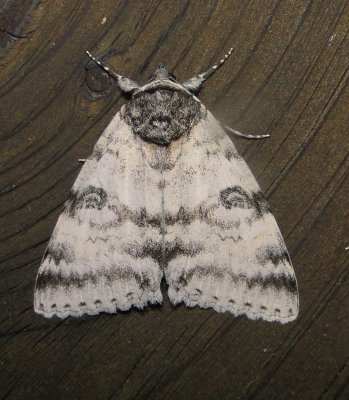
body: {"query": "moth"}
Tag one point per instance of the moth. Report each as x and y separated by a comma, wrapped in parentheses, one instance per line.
(165, 194)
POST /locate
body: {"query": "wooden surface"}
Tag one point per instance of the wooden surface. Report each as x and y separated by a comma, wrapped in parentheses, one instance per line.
(288, 77)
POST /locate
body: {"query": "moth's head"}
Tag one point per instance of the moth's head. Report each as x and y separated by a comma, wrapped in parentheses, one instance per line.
(161, 78)
(162, 73)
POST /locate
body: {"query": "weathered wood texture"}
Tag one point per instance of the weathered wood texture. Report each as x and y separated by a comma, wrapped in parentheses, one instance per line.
(288, 77)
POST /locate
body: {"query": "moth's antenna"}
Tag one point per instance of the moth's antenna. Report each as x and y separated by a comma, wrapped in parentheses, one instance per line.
(237, 133)
(127, 85)
(194, 84)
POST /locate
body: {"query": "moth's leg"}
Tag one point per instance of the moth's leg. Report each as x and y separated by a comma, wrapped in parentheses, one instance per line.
(194, 84)
(127, 85)
(237, 133)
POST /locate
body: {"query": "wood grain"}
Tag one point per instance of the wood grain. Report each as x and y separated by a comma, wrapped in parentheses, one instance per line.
(288, 77)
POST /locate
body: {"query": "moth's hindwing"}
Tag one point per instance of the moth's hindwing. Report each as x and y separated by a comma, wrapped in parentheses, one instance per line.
(91, 263)
(229, 252)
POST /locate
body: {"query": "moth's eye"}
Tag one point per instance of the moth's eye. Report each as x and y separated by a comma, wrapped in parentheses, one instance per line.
(234, 197)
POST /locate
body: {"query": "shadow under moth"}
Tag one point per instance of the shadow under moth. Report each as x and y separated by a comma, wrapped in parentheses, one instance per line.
(165, 194)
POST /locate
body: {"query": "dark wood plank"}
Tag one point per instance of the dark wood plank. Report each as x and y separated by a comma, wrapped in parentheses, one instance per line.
(288, 77)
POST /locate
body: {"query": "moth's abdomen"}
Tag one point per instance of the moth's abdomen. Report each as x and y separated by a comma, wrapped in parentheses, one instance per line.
(163, 115)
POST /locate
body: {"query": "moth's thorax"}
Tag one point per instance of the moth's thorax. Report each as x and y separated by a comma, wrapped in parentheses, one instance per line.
(162, 115)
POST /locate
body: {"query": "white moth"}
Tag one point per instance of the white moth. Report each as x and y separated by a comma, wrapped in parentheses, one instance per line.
(165, 194)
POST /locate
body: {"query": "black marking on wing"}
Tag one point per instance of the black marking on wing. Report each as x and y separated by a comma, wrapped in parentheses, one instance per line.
(59, 251)
(89, 197)
(149, 248)
(236, 196)
(143, 219)
(162, 252)
(275, 254)
(97, 153)
(230, 153)
(274, 281)
(51, 279)
(183, 217)
(260, 204)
